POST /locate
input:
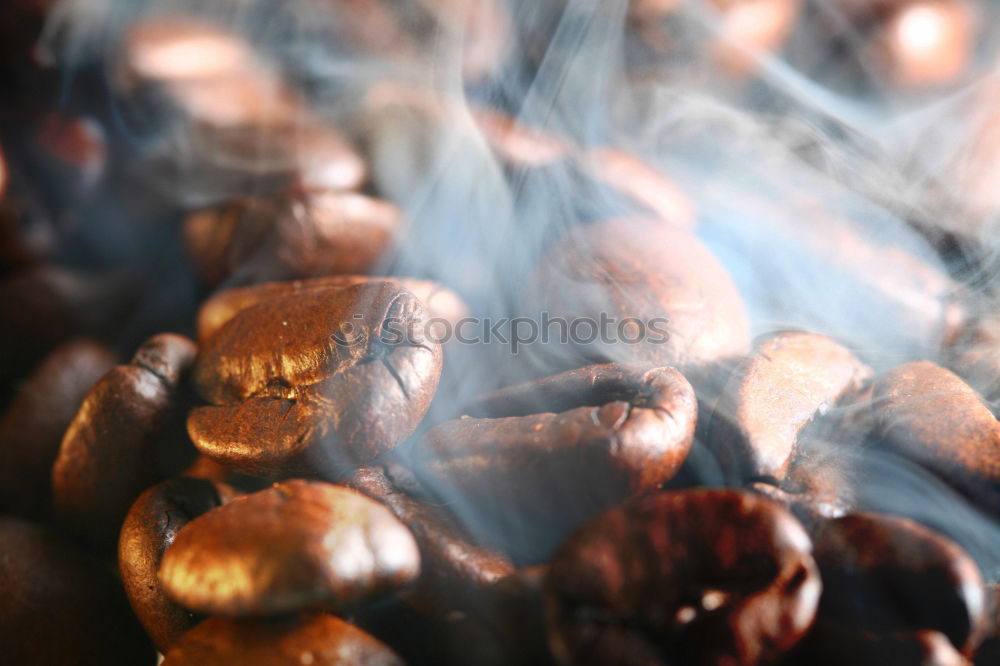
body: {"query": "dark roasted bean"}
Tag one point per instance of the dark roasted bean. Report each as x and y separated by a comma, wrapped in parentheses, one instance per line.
(535, 475)
(321, 640)
(691, 577)
(150, 527)
(887, 575)
(108, 453)
(452, 567)
(60, 607)
(317, 382)
(297, 234)
(296, 546)
(33, 426)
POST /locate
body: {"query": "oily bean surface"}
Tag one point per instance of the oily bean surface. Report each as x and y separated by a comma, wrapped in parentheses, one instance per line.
(620, 430)
(107, 455)
(320, 640)
(296, 546)
(885, 574)
(149, 528)
(692, 577)
(316, 382)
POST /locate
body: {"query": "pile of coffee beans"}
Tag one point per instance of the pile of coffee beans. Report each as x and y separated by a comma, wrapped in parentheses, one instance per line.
(240, 422)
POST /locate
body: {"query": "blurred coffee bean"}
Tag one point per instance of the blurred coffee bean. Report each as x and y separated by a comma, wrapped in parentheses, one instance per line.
(741, 30)
(975, 356)
(929, 415)
(504, 624)
(887, 575)
(644, 183)
(637, 271)
(453, 568)
(441, 303)
(45, 305)
(315, 382)
(790, 378)
(298, 234)
(231, 124)
(296, 546)
(559, 450)
(108, 454)
(692, 577)
(320, 640)
(830, 645)
(928, 42)
(515, 144)
(33, 426)
(72, 152)
(149, 528)
(61, 607)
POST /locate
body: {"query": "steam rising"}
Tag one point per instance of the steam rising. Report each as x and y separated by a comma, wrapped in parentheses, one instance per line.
(834, 193)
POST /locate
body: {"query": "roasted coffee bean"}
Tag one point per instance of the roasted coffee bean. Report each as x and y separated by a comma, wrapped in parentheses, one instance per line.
(297, 234)
(205, 86)
(33, 426)
(441, 302)
(518, 146)
(61, 607)
(532, 475)
(644, 183)
(321, 640)
(689, 577)
(505, 624)
(790, 378)
(643, 270)
(108, 453)
(453, 568)
(317, 382)
(888, 575)
(149, 528)
(296, 546)
(929, 415)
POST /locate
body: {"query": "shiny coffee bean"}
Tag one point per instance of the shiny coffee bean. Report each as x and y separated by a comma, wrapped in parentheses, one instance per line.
(453, 568)
(297, 234)
(929, 415)
(320, 640)
(690, 577)
(441, 302)
(559, 450)
(790, 378)
(888, 575)
(317, 382)
(296, 546)
(644, 270)
(33, 426)
(149, 528)
(108, 453)
(59, 606)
